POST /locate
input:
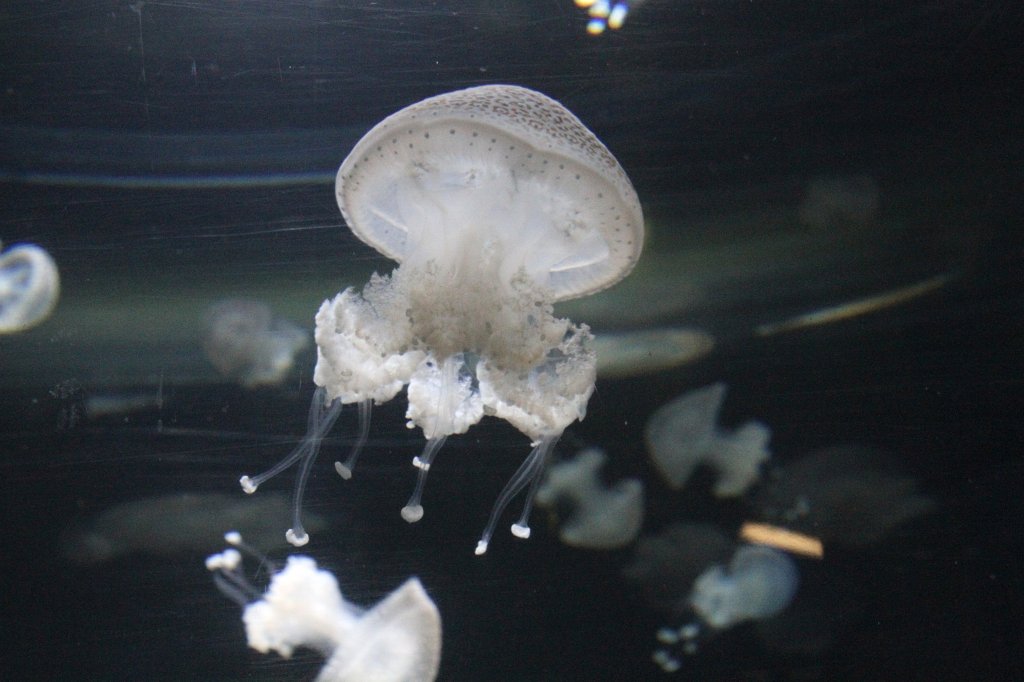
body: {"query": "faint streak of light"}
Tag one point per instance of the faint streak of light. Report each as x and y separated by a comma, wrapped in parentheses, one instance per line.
(252, 233)
(862, 306)
(107, 405)
(137, 8)
(169, 181)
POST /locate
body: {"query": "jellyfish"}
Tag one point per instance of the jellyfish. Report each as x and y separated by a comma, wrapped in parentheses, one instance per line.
(758, 584)
(840, 202)
(29, 287)
(397, 640)
(497, 202)
(666, 564)
(244, 341)
(179, 523)
(684, 434)
(647, 351)
(686, 569)
(847, 495)
(665, 567)
(709, 584)
(602, 517)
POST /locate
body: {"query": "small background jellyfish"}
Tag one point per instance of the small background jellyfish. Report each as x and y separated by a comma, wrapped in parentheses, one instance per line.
(848, 495)
(174, 524)
(688, 571)
(665, 564)
(29, 287)
(245, 342)
(648, 351)
(843, 202)
(758, 583)
(684, 434)
(595, 516)
(497, 202)
(396, 640)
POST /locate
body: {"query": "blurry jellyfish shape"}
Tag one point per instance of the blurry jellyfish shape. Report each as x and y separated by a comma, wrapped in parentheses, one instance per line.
(850, 201)
(684, 434)
(602, 517)
(848, 495)
(665, 565)
(497, 202)
(180, 523)
(397, 640)
(759, 583)
(244, 341)
(647, 351)
(29, 287)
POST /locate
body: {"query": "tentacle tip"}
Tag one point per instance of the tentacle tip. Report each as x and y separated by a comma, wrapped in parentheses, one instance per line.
(521, 530)
(296, 539)
(666, 661)
(247, 485)
(412, 513)
(228, 560)
(667, 636)
(481, 548)
(343, 470)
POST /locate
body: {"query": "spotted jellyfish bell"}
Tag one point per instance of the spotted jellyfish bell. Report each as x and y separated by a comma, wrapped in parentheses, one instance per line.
(497, 202)
(397, 640)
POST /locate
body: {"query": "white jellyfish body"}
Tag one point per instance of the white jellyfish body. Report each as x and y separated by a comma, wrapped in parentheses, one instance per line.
(244, 341)
(497, 202)
(29, 287)
(648, 351)
(602, 517)
(847, 495)
(397, 640)
(666, 564)
(684, 434)
(758, 583)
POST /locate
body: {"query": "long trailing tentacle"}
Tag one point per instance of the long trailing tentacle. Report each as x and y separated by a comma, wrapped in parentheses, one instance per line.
(531, 471)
